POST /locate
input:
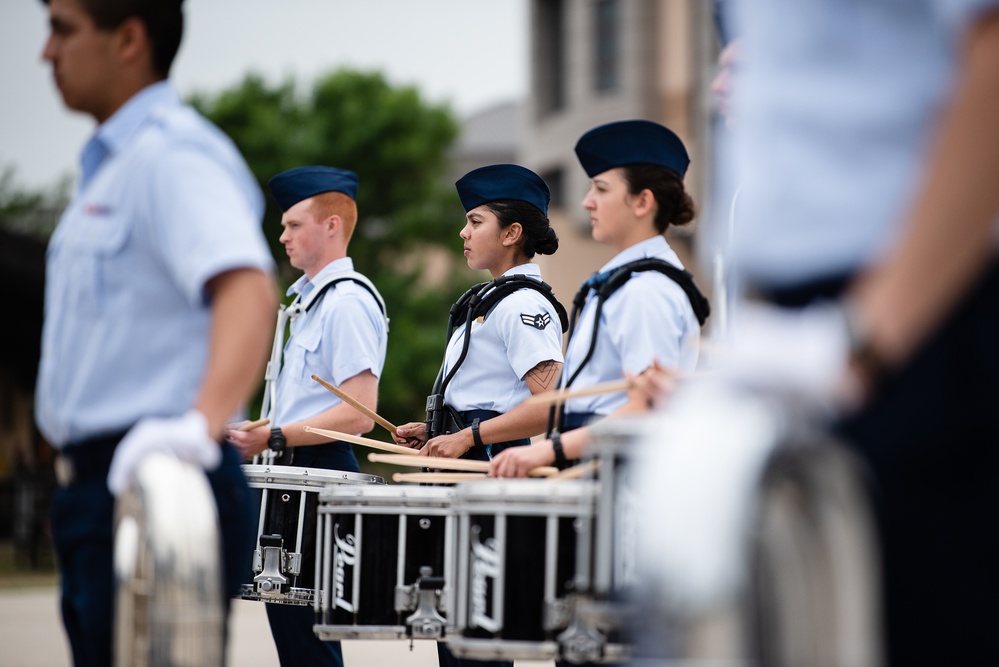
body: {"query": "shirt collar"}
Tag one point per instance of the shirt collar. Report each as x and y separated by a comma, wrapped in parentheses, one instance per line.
(116, 132)
(652, 247)
(531, 269)
(111, 136)
(303, 285)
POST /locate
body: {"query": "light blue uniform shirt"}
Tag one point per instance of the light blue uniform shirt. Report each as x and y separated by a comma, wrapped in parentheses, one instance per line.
(835, 110)
(165, 204)
(343, 334)
(649, 318)
(521, 331)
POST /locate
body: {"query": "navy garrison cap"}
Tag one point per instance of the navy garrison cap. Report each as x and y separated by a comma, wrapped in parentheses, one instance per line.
(630, 142)
(502, 181)
(292, 186)
(722, 11)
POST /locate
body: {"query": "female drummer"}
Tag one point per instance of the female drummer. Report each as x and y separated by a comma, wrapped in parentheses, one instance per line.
(642, 308)
(506, 342)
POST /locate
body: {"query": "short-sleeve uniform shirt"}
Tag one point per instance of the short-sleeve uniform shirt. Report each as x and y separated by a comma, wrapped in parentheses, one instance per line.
(344, 333)
(165, 203)
(648, 319)
(521, 331)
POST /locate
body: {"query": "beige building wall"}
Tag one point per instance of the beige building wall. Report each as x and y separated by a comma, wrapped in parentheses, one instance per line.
(660, 75)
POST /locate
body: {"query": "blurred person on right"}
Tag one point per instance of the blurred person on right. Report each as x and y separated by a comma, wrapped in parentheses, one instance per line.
(868, 157)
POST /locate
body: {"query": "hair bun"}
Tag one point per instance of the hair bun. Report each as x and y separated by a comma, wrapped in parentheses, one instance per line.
(549, 244)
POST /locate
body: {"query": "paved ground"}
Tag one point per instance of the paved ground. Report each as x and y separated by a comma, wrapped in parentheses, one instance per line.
(31, 635)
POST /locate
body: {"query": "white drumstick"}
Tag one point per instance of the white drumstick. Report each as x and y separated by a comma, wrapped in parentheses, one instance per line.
(358, 440)
(439, 477)
(451, 464)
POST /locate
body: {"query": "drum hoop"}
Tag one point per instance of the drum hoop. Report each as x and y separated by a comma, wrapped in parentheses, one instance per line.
(391, 510)
(389, 494)
(526, 491)
(271, 476)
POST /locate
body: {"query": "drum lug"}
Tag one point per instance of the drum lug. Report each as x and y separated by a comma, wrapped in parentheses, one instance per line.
(405, 598)
(557, 614)
(581, 642)
(270, 581)
(426, 622)
(292, 563)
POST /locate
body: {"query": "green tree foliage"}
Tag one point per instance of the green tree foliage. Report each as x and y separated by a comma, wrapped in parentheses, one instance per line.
(15, 201)
(27, 211)
(408, 215)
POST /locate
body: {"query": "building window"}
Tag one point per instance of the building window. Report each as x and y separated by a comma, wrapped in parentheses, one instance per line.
(550, 47)
(608, 45)
(554, 179)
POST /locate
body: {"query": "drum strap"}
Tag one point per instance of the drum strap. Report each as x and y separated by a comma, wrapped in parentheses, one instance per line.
(296, 309)
(604, 284)
(303, 305)
(476, 302)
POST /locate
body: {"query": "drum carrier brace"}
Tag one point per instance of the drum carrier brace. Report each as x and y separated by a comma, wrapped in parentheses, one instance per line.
(608, 282)
(292, 312)
(477, 301)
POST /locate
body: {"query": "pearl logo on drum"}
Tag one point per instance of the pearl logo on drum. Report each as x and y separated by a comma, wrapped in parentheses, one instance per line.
(486, 568)
(344, 558)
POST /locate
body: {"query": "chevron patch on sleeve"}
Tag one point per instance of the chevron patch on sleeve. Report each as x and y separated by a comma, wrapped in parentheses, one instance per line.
(539, 321)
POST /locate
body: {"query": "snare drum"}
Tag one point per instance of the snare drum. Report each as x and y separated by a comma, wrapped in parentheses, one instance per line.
(385, 553)
(284, 564)
(613, 447)
(607, 569)
(516, 566)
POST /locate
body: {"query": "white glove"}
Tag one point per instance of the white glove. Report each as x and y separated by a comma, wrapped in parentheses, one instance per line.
(185, 437)
(798, 354)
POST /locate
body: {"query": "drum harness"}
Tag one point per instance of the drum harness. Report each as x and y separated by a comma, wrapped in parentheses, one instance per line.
(478, 301)
(606, 283)
(291, 313)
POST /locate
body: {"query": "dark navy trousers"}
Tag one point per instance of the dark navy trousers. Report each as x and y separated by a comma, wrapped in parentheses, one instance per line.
(291, 625)
(83, 535)
(444, 656)
(929, 440)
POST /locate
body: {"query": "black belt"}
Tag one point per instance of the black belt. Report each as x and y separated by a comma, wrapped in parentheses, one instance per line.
(85, 460)
(801, 295)
(573, 420)
(288, 456)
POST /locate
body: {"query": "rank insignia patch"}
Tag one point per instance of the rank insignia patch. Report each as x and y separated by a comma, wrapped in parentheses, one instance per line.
(539, 321)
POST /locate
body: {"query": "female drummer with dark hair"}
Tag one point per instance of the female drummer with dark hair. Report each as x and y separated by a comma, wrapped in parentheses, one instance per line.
(642, 310)
(505, 335)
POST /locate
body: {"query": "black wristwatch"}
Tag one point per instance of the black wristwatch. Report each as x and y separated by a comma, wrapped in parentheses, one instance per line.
(560, 461)
(862, 353)
(476, 438)
(277, 442)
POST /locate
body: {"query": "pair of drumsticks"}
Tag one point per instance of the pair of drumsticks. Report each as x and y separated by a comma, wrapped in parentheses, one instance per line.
(403, 456)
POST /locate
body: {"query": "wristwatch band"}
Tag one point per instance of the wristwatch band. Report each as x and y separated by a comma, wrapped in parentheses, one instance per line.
(560, 461)
(862, 353)
(476, 438)
(277, 442)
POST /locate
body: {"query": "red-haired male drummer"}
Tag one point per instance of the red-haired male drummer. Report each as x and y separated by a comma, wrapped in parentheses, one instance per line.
(158, 299)
(339, 333)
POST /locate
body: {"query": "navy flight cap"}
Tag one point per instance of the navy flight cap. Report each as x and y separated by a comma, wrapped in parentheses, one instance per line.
(502, 181)
(630, 142)
(292, 186)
